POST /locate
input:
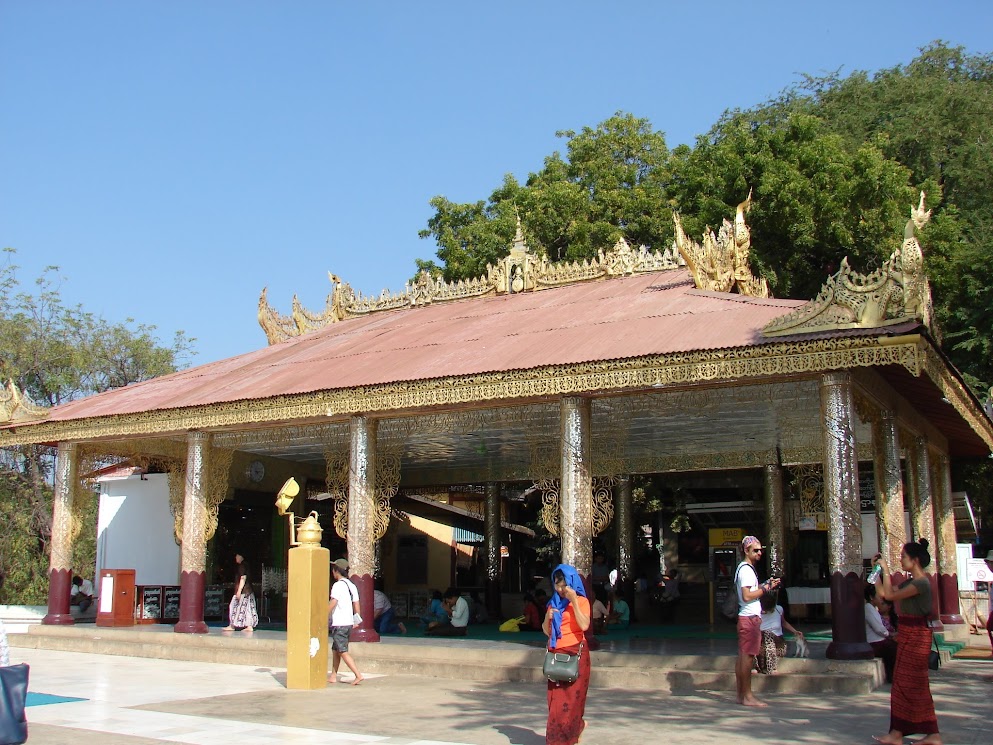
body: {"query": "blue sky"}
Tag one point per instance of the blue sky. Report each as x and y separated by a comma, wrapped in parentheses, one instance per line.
(173, 158)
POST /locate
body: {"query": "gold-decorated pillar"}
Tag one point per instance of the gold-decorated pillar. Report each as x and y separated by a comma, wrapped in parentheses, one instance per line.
(889, 488)
(775, 522)
(842, 503)
(193, 578)
(491, 529)
(576, 494)
(922, 517)
(308, 589)
(60, 559)
(362, 501)
(944, 515)
(624, 502)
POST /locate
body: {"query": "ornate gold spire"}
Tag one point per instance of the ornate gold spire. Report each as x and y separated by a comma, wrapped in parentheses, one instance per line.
(721, 264)
(896, 292)
(520, 271)
(16, 407)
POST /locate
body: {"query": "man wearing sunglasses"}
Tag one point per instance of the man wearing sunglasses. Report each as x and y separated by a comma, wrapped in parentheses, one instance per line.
(749, 591)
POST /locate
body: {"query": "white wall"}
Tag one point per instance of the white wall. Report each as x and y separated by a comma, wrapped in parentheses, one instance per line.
(135, 529)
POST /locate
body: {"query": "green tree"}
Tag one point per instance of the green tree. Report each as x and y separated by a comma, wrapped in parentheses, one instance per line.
(608, 185)
(55, 353)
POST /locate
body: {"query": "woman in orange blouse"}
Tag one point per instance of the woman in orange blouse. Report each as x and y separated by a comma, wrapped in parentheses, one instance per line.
(567, 619)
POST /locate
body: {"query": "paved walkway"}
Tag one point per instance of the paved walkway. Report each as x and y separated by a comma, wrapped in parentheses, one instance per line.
(131, 701)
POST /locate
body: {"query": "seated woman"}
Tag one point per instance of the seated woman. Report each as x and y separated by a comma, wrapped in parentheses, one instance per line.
(879, 637)
(532, 614)
(435, 611)
(456, 616)
(598, 616)
(620, 611)
(773, 642)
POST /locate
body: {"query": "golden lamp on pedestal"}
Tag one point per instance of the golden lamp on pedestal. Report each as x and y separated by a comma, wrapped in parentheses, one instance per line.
(307, 597)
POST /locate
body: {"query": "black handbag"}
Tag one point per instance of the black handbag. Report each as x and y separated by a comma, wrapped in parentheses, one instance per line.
(933, 658)
(561, 667)
(13, 692)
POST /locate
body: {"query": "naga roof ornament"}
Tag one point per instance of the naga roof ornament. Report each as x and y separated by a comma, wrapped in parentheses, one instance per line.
(521, 270)
(15, 407)
(895, 293)
(721, 264)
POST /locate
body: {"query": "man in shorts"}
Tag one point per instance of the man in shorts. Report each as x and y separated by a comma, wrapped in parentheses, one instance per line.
(340, 611)
(746, 584)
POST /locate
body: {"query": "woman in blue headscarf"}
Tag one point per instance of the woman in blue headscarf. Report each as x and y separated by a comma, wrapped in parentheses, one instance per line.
(566, 620)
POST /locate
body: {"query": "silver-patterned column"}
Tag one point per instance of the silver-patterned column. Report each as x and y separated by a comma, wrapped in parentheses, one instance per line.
(625, 529)
(921, 504)
(492, 538)
(362, 518)
(60, 558)
(576, 494)
(944, 516)
(889, 488)
(841, 502)
(775, 522)
(193, 561)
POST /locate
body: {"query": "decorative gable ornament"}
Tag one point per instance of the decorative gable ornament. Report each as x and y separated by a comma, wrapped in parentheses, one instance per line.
(15, 407)
(895, 293)
(721, 264)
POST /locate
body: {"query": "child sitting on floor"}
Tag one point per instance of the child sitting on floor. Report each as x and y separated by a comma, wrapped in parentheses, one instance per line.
(773, 643)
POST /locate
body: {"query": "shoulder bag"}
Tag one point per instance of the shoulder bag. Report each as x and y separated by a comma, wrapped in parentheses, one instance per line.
(729, 608)
(13, 692)
(561, 667)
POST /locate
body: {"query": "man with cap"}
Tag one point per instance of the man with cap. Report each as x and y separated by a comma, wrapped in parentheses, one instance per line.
(746, 583)
(341, 614)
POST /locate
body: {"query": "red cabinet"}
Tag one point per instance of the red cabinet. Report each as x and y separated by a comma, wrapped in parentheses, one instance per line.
(116, 597)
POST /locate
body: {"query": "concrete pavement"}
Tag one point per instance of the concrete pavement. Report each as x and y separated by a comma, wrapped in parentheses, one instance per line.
(131, 701)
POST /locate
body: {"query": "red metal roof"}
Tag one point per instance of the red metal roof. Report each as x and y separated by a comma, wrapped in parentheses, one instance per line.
(612, 319)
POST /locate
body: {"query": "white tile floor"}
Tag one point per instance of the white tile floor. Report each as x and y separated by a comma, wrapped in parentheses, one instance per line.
(112, 684)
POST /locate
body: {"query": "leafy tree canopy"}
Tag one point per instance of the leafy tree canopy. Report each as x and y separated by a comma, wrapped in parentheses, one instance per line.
(55, 353)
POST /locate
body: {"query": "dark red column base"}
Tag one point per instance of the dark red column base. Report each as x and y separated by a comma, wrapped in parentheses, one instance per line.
(494, 599)
(948, 589)
(848, 618)
(365, 631)
(59, 591)
(191, 595)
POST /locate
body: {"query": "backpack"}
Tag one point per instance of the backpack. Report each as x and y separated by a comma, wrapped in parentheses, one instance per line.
(729, 608)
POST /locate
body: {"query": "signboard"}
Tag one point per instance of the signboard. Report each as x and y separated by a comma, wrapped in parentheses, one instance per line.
(979, 571)
(725, 536)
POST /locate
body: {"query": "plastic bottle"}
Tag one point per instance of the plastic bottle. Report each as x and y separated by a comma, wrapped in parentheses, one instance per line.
(874, 574)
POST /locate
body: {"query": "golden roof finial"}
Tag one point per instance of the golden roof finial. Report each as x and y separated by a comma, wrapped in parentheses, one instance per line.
(16, 407)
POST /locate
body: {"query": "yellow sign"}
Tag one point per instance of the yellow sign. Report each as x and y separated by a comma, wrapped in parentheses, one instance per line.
(726, 536)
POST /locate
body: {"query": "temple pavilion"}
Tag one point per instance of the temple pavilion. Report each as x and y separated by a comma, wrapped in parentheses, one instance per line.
(570, 378)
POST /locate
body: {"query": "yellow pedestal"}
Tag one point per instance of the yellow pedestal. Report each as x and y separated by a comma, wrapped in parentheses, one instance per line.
(307, 617)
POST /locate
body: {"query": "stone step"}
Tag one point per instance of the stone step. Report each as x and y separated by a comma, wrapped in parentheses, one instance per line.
(465, 660)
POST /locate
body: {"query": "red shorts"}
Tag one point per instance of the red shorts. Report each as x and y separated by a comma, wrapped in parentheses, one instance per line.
(749, 635)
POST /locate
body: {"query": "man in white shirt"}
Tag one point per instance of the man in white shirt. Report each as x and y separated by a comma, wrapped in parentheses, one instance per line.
(341, 614)
(384, 619)
(458, 612)
(81, 593)
(746, 583)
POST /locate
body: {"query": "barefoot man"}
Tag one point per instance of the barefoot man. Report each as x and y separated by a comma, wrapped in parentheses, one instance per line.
(340, 607)
(749, 591)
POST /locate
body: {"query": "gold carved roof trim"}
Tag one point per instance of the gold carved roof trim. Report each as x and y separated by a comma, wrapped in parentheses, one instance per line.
(520, 271)
(768, 360)
(897, 292)
(16, 408)
(722, 262)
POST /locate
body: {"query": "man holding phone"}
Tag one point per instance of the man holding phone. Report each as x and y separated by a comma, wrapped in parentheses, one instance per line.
(749, 591)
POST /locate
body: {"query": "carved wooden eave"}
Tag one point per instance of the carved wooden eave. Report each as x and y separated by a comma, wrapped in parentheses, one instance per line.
(895, 293)
(16, 408)
(520, 271)
(721, 263)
